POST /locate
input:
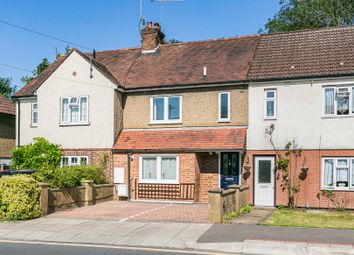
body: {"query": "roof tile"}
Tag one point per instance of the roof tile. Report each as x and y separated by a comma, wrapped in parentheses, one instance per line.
(179, 140)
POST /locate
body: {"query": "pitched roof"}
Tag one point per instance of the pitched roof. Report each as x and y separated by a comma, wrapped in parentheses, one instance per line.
(7, 106)
(306, 53)
(226, 60)
(181, 140)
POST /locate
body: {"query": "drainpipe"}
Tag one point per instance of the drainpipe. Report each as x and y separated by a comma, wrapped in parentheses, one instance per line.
(129, 158)
(18, 122)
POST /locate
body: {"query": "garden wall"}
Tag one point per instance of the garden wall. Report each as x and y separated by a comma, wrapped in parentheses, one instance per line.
(53, 200)
(222, 202)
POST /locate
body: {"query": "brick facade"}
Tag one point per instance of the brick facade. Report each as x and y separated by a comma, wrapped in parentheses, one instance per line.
(94, 156)
(311, 184)
(198, 168)
(6, 145)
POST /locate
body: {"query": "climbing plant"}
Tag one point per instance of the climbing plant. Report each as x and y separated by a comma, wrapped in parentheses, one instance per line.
(287, 163)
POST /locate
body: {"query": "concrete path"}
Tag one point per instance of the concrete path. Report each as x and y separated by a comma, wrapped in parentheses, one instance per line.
(257, 215)
(152, 234)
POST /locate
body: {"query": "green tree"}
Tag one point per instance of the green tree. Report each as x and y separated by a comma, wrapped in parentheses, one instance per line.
(304, 14)
(38, 155)
(40, 68)
(6, 88)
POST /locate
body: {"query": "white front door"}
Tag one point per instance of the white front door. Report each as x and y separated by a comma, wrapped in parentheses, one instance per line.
(264, 181)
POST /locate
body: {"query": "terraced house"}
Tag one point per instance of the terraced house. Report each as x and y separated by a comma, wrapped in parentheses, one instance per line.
(179, 119)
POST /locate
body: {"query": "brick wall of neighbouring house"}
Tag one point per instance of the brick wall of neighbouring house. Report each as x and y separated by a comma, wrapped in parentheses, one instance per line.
(94, 156)
(208, 174)
(6, 145)
(189, 172)
(310, 186)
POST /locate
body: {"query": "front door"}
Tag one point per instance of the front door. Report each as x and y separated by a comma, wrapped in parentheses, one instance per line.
(230, 169)
(264, 172)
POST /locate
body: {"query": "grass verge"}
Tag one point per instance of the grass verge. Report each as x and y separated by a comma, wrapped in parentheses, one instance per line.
(302, 218)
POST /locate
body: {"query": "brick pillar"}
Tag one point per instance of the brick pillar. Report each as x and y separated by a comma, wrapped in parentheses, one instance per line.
(88, 192)
(215, 206)
(43, 200)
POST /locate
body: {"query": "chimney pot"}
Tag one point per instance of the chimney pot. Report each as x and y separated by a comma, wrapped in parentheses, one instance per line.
(157, 26)
(149, 24)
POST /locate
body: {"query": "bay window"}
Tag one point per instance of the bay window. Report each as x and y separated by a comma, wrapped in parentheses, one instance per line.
(74, 110)
(338, 101)
(166, 109)
(338, 173)
(158, 169)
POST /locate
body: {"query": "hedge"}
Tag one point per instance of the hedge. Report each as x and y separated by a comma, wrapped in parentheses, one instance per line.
(19, 198)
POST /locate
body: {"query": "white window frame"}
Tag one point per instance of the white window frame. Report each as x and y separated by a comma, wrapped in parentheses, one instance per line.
(228, 107)
(335, 115)
(69, 160)
(158, 169)
(350, 172)
(266, 99)
(62, 122)
(165, 119)
(34, 124)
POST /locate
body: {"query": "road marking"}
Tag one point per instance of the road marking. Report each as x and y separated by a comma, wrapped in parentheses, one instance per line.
(118, 247)
(144, 212)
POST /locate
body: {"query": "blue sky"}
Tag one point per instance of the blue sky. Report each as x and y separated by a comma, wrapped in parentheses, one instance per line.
(113, 24)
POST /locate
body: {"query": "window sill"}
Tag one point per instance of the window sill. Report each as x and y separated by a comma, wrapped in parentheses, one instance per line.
(33, 126)
(337, 116)
(273, 118)
(158, 182)
(73, 124)
(165, 122)
(339, 189)
(224, 121)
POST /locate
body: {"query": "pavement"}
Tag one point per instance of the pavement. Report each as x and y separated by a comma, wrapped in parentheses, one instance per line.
(228, 238)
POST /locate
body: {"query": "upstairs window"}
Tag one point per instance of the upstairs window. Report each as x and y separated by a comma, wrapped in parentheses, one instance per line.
(338, 101)
(224, 106)
(166, 109)
(270, 104)
(74, 110)
(34, 114)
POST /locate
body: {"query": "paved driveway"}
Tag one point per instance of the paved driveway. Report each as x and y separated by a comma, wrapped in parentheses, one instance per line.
(139, 211)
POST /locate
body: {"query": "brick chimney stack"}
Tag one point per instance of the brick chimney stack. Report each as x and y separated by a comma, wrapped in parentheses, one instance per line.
(151, 36)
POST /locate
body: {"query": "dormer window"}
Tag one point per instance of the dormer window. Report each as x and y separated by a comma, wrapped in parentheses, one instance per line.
(74, 110)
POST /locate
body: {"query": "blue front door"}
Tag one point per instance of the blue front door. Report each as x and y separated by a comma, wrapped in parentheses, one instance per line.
(230, 169)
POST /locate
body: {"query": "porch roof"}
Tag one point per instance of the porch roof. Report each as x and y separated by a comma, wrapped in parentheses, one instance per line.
(210, 139)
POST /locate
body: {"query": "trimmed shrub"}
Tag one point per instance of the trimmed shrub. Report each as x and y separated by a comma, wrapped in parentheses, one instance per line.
(68, 177)
(19, 198)
(93, 173)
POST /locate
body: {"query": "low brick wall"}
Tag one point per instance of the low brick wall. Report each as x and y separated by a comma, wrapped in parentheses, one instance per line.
(53, 200)
(222, 202)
